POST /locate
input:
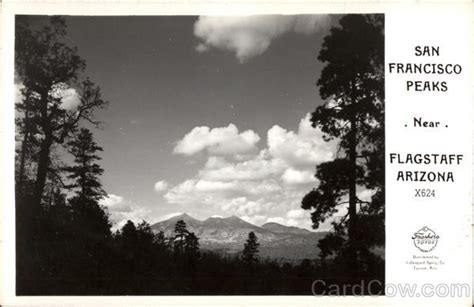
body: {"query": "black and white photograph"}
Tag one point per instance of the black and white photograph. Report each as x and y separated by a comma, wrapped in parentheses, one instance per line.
(199, 155)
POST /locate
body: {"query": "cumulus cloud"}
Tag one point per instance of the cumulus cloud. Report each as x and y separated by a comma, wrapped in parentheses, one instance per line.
(256, 168)
(115, 203)
(293, 176)
(168, 216)
(161, 186)
(277, 219)
(295, 217)
(243, 206)
(69, 97)
(122, 210)
(254, 219)
(249, 36)
(365, 194)
(306, 147)
(204, 192)
(296, 214)
(264, 186)
(298, 218)
(70, 100)
(217, 141)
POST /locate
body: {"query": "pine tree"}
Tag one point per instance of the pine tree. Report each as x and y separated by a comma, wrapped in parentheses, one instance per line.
(90, 222)
(86, 171)
(88, 215)
(352, 82)
(45, 64)
(160, 241)
(180, 237)
(249, 254)
(191, 250)
(191, 247)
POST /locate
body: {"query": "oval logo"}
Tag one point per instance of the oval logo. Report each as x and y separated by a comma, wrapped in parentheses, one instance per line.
(425, 239)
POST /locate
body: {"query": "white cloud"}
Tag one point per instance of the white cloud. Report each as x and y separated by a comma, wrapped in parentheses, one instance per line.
(304, 148)
(295, 217)
(217, 141)
(69, 98)
(249, 36)
(255, 168)
(168, 216)
(199, 192)
(277, 219)
(204, 192)
(243, 206)
(267, 186)
(122, 210)
(365, 194)
(293, 176)
(161, 186)
(115, 203)
(296, 214)
(255, 219)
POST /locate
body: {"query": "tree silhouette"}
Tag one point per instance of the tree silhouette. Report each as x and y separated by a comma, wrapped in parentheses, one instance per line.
(352, 82)
(89, 221)
(249, 254)
(86, 171)
(160, 241)
(191, 247)
(192, 253)
(180, 237)
(48, 67)
(88, 215)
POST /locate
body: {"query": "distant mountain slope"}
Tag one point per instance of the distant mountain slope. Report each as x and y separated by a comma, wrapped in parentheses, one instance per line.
(229, 234)
(279, 228)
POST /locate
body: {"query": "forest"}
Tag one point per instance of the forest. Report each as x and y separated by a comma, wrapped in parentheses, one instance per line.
(65, 242)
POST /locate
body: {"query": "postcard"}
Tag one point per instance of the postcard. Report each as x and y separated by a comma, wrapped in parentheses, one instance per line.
(240, 154)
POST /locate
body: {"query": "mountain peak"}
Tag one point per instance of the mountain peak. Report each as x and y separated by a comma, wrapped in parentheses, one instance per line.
(272, 224)
(183, 215)
(229, 234)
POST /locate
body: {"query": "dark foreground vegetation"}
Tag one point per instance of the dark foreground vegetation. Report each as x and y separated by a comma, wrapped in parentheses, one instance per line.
(65, 244)
(134, 261)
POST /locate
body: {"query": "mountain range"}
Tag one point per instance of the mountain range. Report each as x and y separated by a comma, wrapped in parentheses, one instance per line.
(228, 235)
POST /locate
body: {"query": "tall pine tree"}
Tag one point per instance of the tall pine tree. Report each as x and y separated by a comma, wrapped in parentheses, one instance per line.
(352, 82)
(48, 67)
(85, 173)
(181, 232)
(90, 222)
(88, 215)
(250, 252)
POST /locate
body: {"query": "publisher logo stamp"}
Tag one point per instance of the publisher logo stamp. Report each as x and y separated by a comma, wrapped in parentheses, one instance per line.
(425, 239)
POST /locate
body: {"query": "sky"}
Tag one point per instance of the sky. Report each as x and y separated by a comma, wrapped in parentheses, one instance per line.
(208, 115)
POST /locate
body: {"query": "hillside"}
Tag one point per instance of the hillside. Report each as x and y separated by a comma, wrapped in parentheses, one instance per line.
(228, 235)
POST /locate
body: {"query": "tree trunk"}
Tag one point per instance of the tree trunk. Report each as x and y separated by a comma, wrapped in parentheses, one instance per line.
(43, 158)
(24, 147)
(21, 172)
(41, 174)
(352, 177)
